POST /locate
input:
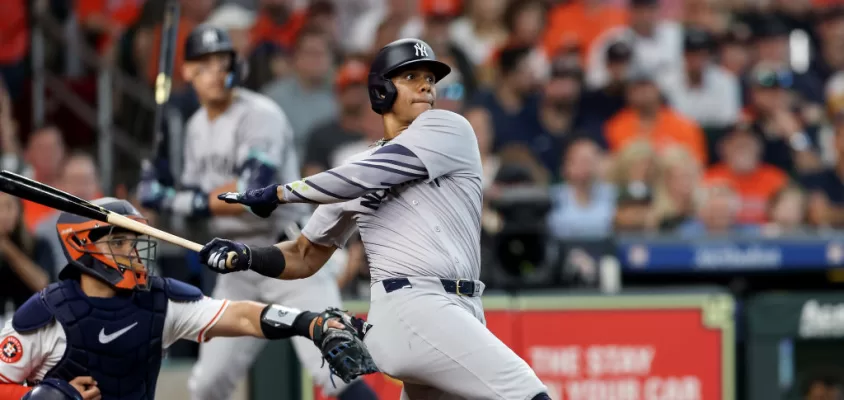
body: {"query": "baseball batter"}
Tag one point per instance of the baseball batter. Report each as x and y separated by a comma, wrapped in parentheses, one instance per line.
(416, 199)
(240, 139)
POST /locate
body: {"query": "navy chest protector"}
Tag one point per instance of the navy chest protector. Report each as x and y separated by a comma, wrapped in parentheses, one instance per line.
(118, 341)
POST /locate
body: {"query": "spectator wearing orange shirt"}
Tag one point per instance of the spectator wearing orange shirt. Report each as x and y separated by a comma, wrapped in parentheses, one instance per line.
(581, 21)
(45, 152)
(647, 117)
(106, 19)
(278, 23)
(14, 44)
(754, 181)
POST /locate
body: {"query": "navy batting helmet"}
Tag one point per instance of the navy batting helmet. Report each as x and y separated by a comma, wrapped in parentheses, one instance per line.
(390, 60)
(206, 39)
(52, 389)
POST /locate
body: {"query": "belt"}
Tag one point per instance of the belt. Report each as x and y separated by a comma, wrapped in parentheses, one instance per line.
(460, 287)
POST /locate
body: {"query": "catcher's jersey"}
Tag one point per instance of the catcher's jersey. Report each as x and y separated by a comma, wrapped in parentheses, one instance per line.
(28, 357)
(253, 126)
(428, 227)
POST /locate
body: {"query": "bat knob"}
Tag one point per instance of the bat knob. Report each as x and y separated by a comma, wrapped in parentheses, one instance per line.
(231, 259)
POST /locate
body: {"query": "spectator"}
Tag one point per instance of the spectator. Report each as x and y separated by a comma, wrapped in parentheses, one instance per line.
(239, 22)
(647, 117)
(326, 141)
(461, 83)
(599, 105)
(706, 15)
(480, 120)
(79, 177)
(826, 187)
(104, 21)
(11, 158)
(22, 258)
(322, 16)
(756, 182)
(400, 13)
(702, 90)
(581, 22)
(674, 189)
(634, 174)
(481, 31)
(786, 212)
(307, 97)
(657, 44)
(525, 22)
(828, 59)
(45, 152)
(717, 207)
(559, 117)
(734, 50)
(583, 207)
(789, 142)
(512, 103)
(278, 24)
(822, 387)
(14, 46)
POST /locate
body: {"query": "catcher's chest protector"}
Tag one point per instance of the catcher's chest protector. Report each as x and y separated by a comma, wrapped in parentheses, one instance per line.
(117, 341)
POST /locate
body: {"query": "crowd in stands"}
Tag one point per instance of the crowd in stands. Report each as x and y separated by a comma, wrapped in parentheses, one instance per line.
(678, 117)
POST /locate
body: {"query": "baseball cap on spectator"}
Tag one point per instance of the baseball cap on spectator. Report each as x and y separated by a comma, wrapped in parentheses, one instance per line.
(510, 57)
(736, 34)
(232, 16)
(566, 67)
(353, 72)
(644, 3)
(619, 51)
(440, 8)
(769, 27)
(768, 76)
(696, 40)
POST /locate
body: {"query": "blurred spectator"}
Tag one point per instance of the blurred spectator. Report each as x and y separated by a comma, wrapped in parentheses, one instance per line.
(717, 205)
(14, 45)
(191, 14)
(581, 22)
(710, 16)
(796, 15)
(826, 188)
(823, 387)
(786, 212)
(278, 24)
(45, 151)
(328, 139)
(322, 16)
(400, 13)
(512, 102)
(734, 50)
(674, 191)
(11, 158)
(481, 122)
(742, 166)
(307, 96)
(559, 117)
(702, 90)
(582, 207)
(104, 21)
(481, 31)
(22, 257)
(789, 142)
(525, 22)
(597, 106)
(647, 117)
(239, 22)
(657, 44)
(634, 174)
(79, 177)
(828, 58)
(461, 83)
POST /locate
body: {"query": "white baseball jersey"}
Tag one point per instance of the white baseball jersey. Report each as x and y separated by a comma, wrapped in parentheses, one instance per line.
(415, 199)
(252, 127)
(39, 351)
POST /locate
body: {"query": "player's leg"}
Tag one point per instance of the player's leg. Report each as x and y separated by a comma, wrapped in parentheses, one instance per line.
(427, 338)
(316, 294)
(224, 361)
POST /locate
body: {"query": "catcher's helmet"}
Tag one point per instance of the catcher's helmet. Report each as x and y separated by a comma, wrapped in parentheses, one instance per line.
(206, 39)
(126, 262)
(390, 60)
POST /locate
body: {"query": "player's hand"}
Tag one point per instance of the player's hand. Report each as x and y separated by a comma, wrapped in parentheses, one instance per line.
(224, 256)
(154, 196)
(87, 387)
(261, 202)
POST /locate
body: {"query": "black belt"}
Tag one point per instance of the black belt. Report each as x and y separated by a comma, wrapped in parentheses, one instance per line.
(459, 287)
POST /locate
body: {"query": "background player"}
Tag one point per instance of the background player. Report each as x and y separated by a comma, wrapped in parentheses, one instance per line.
(103, 327)
(416, 199)
(239, 139)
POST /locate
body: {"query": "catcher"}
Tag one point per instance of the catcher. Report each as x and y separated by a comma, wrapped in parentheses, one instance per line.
(100, 332)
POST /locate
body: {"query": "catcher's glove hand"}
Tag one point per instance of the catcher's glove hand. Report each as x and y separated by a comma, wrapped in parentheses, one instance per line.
(344, 350)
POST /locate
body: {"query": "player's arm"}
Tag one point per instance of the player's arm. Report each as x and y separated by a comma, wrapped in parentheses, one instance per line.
(19, 355)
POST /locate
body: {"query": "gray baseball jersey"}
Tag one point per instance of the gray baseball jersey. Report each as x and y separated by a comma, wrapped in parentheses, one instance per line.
(253, 126)
(416, 201)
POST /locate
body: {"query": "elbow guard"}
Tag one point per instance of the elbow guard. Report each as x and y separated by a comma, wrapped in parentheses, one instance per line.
(280, 322)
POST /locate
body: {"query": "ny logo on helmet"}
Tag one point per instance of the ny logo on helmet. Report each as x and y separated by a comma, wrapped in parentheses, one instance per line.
(209, 37)
(421, 51)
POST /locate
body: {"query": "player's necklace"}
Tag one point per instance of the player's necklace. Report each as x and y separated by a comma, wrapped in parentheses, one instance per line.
(381, 142)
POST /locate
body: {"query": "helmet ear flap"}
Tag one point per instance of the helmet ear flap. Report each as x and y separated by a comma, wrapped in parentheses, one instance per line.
(382, 93)
(237, 72)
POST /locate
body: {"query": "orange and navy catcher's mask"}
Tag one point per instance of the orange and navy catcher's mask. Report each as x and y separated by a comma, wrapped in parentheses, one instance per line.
(121, 270)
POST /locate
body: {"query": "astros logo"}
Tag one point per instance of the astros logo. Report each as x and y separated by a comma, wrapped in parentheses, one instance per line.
(11, 350)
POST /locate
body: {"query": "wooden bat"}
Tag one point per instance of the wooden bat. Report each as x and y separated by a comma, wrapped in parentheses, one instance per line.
(37, 192)
(164, 78)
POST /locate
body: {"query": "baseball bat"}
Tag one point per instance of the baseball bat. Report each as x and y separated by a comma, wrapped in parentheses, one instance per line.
(40, 193)
(164, 77)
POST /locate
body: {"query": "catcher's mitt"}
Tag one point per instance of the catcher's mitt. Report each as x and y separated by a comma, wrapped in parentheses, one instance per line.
(344, 350)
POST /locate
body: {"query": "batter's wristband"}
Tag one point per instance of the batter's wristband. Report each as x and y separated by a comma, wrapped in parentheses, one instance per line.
(268, 261)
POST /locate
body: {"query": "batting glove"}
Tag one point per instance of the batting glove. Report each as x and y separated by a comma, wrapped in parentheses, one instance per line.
(224, 256)
(261, 202)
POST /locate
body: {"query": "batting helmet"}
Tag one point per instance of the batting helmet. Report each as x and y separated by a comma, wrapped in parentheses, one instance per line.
(390, 60)
(53, 389)
(206, 39)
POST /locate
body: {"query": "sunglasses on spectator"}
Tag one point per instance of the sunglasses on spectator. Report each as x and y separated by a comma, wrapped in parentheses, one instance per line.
(773, 79)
